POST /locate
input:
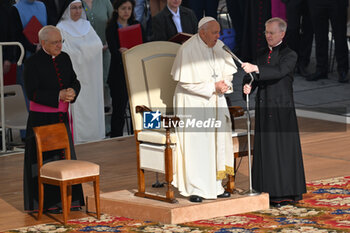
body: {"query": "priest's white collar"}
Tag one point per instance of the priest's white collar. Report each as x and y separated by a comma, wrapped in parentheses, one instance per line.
(275, 45)
(48, 53)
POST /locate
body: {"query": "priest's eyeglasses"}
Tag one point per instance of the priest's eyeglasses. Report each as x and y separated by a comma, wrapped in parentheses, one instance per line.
(56, 42)
(270, 33)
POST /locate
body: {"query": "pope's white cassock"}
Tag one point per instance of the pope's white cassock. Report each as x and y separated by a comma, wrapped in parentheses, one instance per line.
(85, 50)
(203, 156)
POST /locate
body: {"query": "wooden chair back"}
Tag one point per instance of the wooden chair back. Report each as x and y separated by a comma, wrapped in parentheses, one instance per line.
(49, 138)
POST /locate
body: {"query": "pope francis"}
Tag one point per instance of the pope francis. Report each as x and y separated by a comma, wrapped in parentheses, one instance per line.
(204, 153)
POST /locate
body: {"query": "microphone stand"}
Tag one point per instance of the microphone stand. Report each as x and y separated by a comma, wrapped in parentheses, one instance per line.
(251, 191)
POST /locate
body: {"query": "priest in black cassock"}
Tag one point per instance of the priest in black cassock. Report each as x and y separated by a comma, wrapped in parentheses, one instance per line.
(277, 162)
(51, 85)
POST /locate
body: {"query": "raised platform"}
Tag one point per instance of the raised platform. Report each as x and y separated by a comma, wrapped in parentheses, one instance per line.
(124, 203)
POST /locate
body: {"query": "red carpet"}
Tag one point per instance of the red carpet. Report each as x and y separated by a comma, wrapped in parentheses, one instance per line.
(325, 208)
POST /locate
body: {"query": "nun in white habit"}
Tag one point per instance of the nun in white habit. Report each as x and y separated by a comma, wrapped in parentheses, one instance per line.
(85, 50)
(204, 155)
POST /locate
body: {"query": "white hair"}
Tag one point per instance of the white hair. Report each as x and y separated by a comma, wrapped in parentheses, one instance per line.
(44, 32)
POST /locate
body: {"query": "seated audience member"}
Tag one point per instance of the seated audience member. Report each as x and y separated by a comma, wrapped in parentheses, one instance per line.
(123, 16)
(84, 47)
(172, 20)
(52, 85)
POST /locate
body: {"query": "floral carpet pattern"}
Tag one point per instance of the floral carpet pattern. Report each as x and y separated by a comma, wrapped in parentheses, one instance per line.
(325, 208)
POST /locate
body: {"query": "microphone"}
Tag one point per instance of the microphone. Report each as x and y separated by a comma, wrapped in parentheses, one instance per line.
(227, 49)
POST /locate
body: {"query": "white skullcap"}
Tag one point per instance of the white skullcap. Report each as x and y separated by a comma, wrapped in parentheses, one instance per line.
(205, 20)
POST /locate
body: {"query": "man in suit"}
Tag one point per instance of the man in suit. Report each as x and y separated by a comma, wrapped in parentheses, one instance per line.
(300, 33)
(51, 85)
(172, 20)
(323, 11)
(278, 164)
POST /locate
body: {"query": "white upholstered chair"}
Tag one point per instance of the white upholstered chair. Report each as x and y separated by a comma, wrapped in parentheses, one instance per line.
(151, 88)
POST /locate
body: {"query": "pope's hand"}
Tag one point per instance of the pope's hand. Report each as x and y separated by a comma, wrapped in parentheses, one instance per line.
(221, 87)
(247, 89)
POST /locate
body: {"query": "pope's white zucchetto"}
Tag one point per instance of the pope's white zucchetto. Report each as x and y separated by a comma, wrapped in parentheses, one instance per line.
(205, 20)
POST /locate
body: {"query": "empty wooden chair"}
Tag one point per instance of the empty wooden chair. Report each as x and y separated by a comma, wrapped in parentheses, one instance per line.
(63, 173)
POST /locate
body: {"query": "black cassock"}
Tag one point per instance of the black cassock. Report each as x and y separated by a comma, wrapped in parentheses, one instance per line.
(256, 13)
(44, 77)
(277, 162)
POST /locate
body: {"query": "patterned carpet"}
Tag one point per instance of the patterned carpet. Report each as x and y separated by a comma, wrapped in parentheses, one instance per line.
(325, 208)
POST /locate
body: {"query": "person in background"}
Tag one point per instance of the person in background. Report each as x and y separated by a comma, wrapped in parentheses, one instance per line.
(156, 6)
(278, 163)
(21, 13)
(173, 19)
(300, 33)
(6, 34)
(84, 47)
(236, 10)
(123, 16)
(204, 8)
(98, 12)
(323, 11)
(204, 73)
(52, 85)
(54, 10)
(253, 38)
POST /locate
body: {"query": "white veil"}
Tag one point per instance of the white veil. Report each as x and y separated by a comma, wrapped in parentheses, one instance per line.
(77, 28)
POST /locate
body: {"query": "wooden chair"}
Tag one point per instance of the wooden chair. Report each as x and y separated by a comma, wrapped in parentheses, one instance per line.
(63, 173)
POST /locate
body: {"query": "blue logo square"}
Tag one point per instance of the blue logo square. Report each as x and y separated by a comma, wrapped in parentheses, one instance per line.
(151, 120)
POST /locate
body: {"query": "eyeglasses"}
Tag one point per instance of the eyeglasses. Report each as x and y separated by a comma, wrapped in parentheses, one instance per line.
(76, 8)
(56, 42)
(270, 33)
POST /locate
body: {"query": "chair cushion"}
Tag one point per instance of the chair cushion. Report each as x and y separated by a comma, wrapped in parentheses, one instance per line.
(155, 136)
(69, 169)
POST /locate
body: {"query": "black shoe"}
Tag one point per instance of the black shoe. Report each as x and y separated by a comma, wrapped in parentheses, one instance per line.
(281, 203)
(316, 76)
(275, 204)
(224, 195)
(54, 211)
(77, 208)
(302, 70)
(195, 198)
(342, 77)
